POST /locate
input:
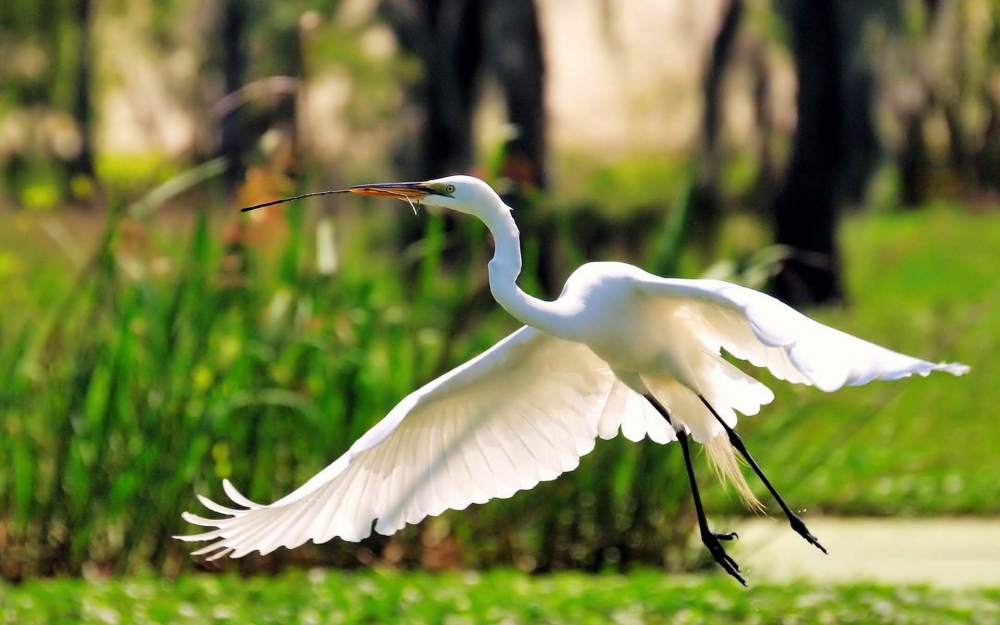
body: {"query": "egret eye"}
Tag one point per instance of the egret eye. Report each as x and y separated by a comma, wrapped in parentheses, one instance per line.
(449, 189)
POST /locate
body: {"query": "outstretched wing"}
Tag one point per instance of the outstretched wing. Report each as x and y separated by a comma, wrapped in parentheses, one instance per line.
(757, 328)
(524, 411)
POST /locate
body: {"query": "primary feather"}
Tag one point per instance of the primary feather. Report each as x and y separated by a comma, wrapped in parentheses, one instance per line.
(757, 328)
(525, 411)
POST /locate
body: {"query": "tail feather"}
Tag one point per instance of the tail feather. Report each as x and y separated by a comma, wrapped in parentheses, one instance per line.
(727, 468)
(728, 390)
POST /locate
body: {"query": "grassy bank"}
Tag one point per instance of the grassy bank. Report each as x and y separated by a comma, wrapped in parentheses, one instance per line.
(498, 597)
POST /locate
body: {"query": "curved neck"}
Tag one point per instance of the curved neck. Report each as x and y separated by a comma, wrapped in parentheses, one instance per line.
(505, 267)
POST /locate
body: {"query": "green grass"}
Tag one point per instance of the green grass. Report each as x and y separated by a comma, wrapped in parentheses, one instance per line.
(321, 596)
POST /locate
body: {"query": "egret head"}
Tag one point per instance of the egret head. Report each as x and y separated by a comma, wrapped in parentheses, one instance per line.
(464, 194)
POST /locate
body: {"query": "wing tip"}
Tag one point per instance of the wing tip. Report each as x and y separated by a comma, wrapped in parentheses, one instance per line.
(237, 496)
(194, 519)
(954, 368)
(218, 508)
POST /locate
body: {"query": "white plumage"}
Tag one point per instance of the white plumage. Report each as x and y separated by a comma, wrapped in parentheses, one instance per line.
(527, 409)
(523, 412)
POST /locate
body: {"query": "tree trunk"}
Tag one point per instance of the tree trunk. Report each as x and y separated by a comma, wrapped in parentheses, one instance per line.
(763, 188)
(988, 158)
(805, 209)
(83, 163)
(457, 40)
(914, 162)
(705, 203)
(453, 65)
(513, 53)
(234, 67)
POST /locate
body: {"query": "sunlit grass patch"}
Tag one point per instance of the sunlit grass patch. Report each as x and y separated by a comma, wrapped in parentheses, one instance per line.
(321, 596)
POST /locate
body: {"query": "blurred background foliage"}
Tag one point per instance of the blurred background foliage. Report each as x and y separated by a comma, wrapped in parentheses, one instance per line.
(153, 341)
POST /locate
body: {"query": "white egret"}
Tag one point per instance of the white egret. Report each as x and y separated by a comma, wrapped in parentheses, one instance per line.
(620, 349)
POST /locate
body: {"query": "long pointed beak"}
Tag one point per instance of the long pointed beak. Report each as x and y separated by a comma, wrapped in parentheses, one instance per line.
(398, 190)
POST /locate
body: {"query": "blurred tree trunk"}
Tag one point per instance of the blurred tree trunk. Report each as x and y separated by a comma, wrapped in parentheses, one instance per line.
(453, 66)
(987, 161)
(914, 161)
(234, 68)
(458, 40)
(950, 96)
(937, 90)
(862, 148)
(46, 28)
(284, 116)
(805, 209)
(705, 203)
(766, 175)
(83, 163)
(513, 53)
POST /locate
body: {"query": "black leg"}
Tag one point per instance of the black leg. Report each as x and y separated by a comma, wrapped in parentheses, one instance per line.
(737, 442)
(712, 540)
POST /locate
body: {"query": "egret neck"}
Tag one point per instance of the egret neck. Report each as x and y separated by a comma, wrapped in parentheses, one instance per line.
(504, 269)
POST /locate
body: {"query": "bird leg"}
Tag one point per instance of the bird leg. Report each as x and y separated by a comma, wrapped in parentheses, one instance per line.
(737, 442)
(711, 540)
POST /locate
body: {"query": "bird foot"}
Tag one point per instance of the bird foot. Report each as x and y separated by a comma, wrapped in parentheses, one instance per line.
(800, 528)
(713, 542)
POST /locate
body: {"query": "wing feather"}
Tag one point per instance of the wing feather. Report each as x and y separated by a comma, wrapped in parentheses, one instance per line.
(758, 328)
(520, 413)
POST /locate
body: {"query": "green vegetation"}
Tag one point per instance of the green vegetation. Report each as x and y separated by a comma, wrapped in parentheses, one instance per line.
(321, 596)
(172, 363)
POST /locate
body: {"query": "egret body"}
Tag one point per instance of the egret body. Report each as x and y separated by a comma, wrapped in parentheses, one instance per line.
(620, 349)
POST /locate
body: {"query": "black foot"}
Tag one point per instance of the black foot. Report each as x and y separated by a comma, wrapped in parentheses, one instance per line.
(803, 531)
(714, 544)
